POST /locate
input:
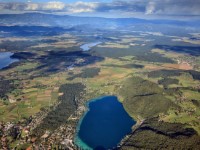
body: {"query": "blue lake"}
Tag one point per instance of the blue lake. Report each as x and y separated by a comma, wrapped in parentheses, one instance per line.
(104, 125)
(88, 46)
(6, 60)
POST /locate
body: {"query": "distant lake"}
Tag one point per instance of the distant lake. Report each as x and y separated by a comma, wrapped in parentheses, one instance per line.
(104, 125)
(88, 46)
(6, 60)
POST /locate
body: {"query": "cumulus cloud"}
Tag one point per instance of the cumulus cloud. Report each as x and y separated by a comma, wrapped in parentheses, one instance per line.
(54, 5)
(173, 7)
(32, 6)
(79, 7)
(145, 7)
(154, 7)
(150, 8)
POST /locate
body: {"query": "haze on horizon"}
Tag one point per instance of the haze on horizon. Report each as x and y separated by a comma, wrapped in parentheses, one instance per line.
(153, 9)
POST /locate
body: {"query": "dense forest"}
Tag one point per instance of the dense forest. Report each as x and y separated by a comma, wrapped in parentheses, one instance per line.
(172, 73)
(6, 86)
(168, 81)
(86, 73)
(128, 66)
(67, 106)
(141, 97)
(192, 50)
(143, 54)
(166, 135)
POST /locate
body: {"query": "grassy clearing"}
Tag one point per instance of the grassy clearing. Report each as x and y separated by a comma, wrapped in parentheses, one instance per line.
(26, 66)
(191, 94)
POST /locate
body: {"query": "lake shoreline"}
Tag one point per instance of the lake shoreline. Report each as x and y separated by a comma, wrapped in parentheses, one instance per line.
(6, 60)
(86, 105)
(78, 141)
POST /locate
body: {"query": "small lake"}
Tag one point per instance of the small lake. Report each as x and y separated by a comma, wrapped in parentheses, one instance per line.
(88, 46)
(104, 125)
(6, 60)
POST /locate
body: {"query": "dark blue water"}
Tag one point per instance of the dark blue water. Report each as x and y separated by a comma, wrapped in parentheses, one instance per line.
(104, 125)
(5, 59)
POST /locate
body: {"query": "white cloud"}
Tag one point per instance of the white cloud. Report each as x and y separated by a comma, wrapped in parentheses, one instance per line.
(54, 5)
(76, 7)
(79, 7)
(150, 8)
(130, 8)
(32, 6)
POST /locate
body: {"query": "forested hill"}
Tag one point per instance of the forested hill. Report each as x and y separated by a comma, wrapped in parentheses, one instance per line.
(70, 21)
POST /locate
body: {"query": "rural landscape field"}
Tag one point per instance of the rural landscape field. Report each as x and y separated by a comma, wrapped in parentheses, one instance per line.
(99, 75)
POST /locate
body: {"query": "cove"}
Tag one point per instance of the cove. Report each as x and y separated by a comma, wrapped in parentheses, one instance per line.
(6, 60)
(104, 125)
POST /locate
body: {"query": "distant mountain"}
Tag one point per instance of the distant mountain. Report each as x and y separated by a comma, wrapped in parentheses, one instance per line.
(39, 19)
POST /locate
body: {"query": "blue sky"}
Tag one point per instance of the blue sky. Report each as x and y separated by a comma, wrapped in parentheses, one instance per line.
(176, 9)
